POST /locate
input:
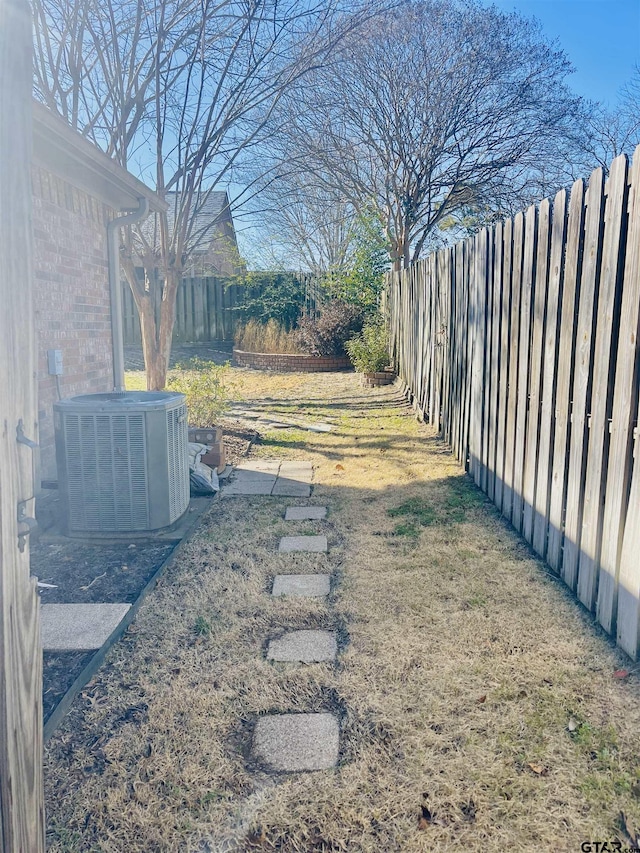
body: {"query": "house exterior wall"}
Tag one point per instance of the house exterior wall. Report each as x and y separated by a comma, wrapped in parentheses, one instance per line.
(71, 298)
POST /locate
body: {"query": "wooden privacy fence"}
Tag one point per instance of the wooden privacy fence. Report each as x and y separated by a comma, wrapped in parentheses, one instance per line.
(204, 311)
(206, 307)
(521, 346)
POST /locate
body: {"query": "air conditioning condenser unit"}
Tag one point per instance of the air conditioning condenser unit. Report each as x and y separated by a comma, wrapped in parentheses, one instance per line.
(122, 460)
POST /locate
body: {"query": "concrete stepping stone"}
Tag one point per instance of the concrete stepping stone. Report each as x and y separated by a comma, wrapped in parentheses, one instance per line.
(296, 742)
(304, 647)
(306, 544)
(285, 488)
(320, 428)
(249, 486)
(300, 471)
(305, 513)
(258, 467)
(301, 586)
(78, 627)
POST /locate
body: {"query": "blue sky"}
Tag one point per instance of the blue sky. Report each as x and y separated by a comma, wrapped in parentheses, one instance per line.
(600, 37)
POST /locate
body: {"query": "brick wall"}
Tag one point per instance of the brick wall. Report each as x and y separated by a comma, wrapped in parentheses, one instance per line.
(71, 298)
(289, 363)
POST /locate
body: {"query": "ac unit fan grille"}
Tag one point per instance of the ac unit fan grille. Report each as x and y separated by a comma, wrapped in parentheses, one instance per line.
(106, 471)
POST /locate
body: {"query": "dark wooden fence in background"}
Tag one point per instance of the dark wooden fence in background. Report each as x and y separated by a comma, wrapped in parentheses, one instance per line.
(204, 311)
(521, 346)
(207, 308)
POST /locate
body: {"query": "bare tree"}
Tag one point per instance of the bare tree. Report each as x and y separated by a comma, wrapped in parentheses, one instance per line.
(613, 131)
(182, 92)
(442, 108)
(297, 224)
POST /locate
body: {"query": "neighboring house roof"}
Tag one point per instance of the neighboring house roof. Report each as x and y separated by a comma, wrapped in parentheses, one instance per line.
(212, 244)
(63, 151)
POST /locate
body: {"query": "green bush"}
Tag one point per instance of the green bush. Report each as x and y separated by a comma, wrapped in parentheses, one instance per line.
(369, 351)
(203, 384)
(272, 296)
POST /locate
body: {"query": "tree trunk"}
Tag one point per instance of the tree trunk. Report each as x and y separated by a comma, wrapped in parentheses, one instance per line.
(156, 336)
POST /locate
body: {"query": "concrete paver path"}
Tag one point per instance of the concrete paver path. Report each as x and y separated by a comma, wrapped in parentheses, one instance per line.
(304, 646)
(301, 586)
(304, 544)
(296, 742)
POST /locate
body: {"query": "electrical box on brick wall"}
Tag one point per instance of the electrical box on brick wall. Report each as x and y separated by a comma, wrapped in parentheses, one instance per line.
(54, 359)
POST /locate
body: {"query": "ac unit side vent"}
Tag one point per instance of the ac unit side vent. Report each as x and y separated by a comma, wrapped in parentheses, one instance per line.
(178, 462)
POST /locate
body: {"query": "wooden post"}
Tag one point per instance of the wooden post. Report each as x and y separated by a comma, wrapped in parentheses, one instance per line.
(21, 790)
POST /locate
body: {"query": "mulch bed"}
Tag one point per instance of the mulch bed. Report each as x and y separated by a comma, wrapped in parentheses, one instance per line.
(84, 574)
(237, 440)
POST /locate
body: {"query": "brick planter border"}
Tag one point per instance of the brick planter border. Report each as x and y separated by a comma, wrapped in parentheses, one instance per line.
(385, 377)
(288, 363)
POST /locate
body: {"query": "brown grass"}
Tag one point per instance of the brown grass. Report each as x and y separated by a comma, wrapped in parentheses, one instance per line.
(477, 700)
(268, 337)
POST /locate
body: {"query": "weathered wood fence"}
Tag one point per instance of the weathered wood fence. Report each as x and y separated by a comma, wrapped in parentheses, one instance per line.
(204, 311)
(207, 308)
(22, 824)
(521, 346)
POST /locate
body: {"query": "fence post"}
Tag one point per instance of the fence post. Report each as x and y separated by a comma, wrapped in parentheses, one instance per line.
(21, 789)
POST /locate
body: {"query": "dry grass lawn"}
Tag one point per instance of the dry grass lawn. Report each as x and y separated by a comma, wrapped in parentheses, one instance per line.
(478, 704)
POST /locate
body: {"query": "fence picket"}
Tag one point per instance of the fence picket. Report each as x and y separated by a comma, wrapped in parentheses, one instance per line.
(624, 413)
(549, 358)
(535, 370)
(582, 377)
(607, 318)
(524, 353)
(468, 354)
(503, 381)
(487, 291)
(514, 337)
(566, 347)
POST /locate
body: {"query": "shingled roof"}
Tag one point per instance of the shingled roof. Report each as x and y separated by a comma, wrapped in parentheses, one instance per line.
(212, 240)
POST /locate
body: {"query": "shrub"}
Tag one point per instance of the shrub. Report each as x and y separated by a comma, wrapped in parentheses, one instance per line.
(369, 351)
(328, 335)
(203, 384)
(272, 296)
(269, 337)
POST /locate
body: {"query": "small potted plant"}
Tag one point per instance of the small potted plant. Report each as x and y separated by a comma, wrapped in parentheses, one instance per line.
(369, 354)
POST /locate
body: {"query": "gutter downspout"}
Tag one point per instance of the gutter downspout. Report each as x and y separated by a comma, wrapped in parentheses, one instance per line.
(115, 287)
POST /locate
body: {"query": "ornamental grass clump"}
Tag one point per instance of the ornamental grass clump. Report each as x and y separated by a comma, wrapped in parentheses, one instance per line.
(369, 351)
(269, 337)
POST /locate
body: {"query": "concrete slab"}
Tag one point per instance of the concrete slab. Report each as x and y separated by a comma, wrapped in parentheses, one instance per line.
(305, 513)
(296, 469)
(285, 488)
(264, 466)
(320, 428)
(304, 646)
(296, 742)
(78, 627)
(308, 544)
(248, 487)
(301, 586)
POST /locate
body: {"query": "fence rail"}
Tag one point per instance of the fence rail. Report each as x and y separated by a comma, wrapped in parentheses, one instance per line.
(521, 346)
